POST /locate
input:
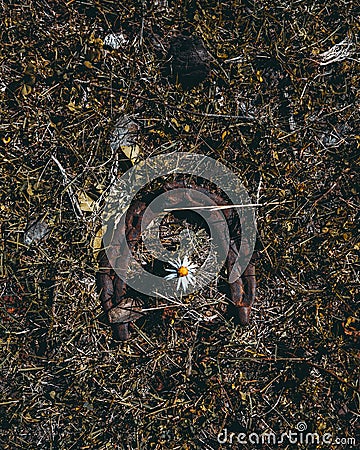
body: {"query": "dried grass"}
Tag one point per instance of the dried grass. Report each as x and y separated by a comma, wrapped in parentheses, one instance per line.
(283, 112)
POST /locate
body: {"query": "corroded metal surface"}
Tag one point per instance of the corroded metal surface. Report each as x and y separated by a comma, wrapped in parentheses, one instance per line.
(113, 290)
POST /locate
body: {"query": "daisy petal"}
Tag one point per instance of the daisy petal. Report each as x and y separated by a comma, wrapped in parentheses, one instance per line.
(187, 267)
(171, 276)
(185, 283)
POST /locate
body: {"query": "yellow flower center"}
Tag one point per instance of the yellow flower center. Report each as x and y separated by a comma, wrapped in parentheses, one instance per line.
(183, 271)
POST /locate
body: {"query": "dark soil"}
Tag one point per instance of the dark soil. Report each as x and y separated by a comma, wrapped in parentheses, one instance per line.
(264, 99)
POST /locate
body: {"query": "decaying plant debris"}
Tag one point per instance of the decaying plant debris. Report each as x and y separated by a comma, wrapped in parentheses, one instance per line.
(279, 104)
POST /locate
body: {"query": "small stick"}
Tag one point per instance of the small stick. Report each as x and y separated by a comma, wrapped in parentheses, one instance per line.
(216, 208)
(67, 184)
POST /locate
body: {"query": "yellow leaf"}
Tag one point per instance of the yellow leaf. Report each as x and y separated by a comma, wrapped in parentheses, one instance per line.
(29, 190)
(186, 128)
(175, 122)
(349, 321)
(131, 151)
(85, 202)
(26, 90)
(243, 396)
(259, 77)
(71, 106)
(88, 64)
(159, 132)
(97, 240)
(225, 133)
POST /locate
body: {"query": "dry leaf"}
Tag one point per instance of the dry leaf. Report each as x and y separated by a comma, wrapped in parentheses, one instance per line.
(86, 203)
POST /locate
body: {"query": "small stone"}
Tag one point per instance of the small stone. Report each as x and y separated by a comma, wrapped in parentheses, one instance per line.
(189, 61)
(36, 231)
(115, 40)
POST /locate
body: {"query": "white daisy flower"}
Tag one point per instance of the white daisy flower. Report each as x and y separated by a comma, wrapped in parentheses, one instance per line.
(184, 271)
